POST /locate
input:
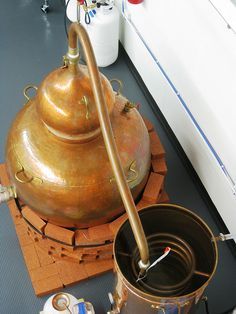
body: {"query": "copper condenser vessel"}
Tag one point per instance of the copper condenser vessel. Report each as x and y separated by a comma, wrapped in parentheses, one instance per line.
(55, 155)
(177, 283)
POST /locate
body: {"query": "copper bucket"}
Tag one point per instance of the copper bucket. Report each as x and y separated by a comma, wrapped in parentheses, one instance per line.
(177, 283)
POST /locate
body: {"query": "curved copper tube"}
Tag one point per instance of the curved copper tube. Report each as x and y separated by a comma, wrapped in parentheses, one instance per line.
(77, 30)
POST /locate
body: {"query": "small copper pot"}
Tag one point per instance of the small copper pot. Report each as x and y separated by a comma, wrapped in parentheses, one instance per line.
(177, 283)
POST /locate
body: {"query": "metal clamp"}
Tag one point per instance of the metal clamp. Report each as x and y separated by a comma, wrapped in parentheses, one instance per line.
(182, 305)
(158, 308)
(28, 87)
(225, 237)
(120, 85)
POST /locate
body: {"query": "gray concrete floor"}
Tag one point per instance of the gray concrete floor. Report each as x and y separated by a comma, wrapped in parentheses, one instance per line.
(32, 44)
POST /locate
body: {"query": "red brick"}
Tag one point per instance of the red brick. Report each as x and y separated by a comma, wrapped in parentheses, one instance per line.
(68, 258)
(90, 250)
(15, 213)
(21, 203)
(44, 258)
(59, 247)
(82, 238)
(115, 225)
(22, 228)
(68, 248)
(106, 248)
(16, 216)
(148, 124)
(76, 257)
(3, 175)
(11, 204)
(71, 272)
(164, 198)
(22, 234)
(43, 272)
(59, 233)
(33, 218)
(88, 257)
(44, 243)
(157, 150)
(54, 249)
(24, 239)
(159, 166)
(143, 204)
(17, 219)
(98, 267)
(48, 285)
(100, 233)
(98, 250)
(105, 256)
(30, 256)
(77, 254)
(153, 187)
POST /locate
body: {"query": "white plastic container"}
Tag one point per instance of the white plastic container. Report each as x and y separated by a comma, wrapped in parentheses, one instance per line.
(64, 303)
(103, 30)
(71, 10)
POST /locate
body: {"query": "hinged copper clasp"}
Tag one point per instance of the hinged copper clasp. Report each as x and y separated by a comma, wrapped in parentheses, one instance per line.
(65, 62)
(84, 101)
(158, 308)
(129, 105)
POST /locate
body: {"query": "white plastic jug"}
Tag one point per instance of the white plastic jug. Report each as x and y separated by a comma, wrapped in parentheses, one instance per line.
(103, 28)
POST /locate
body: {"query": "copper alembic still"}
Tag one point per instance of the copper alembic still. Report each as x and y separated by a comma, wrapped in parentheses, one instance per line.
(56, 157)
(78, 155)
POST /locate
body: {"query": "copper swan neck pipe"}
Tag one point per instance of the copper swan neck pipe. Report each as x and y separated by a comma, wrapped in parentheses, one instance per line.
(77, 31)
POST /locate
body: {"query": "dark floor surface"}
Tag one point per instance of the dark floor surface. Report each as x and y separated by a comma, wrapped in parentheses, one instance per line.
(32, 44)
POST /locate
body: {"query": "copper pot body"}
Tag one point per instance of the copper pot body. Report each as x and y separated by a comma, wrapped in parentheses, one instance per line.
(158, 292)
(56, 157)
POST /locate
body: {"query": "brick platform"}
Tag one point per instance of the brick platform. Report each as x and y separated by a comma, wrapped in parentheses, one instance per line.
(57, 257)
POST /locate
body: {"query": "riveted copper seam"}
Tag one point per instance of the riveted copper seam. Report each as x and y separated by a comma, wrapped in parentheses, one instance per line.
(77, 30)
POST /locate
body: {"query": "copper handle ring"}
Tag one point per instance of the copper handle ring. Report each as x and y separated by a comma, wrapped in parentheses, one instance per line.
(130, 178)
(120, 85)
(27, 87)
(134, 171)
(27, 180)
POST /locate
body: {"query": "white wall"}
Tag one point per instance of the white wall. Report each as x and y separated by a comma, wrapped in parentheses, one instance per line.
(191, 43)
